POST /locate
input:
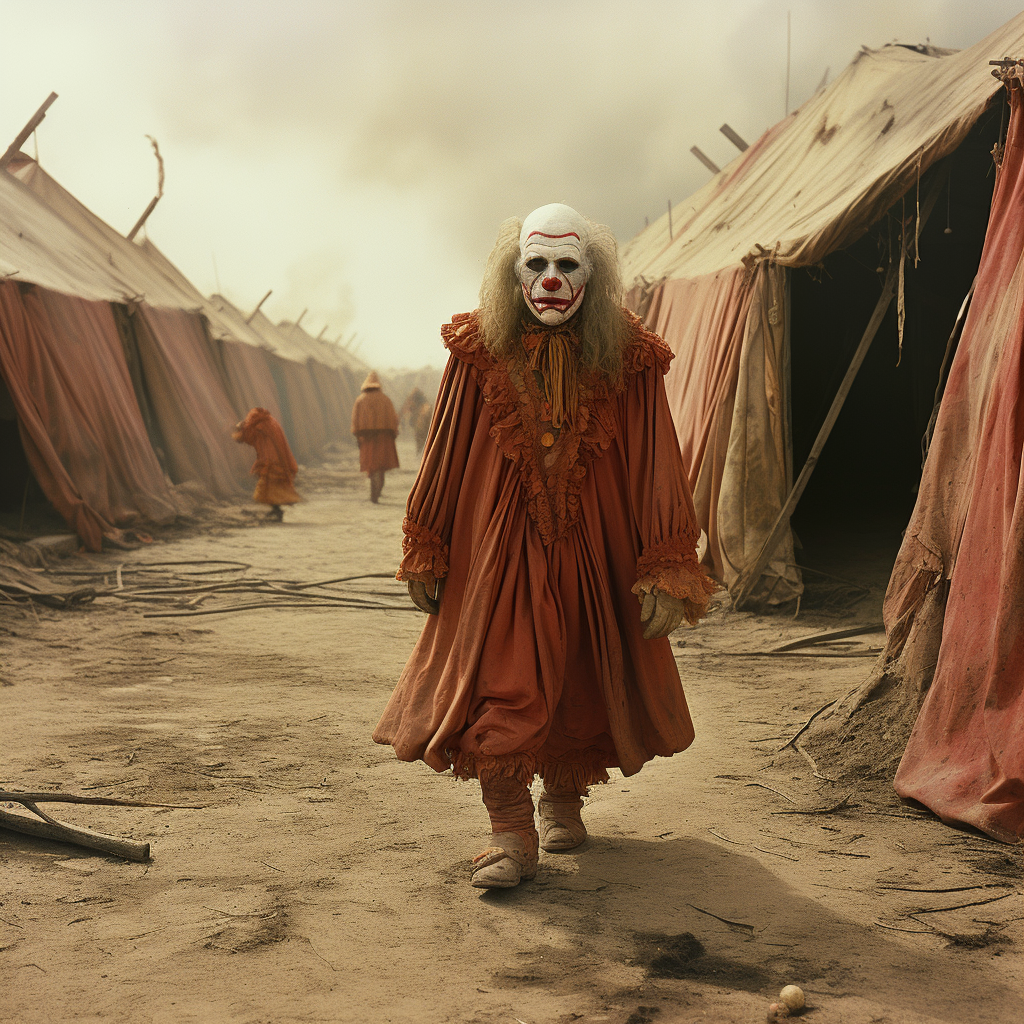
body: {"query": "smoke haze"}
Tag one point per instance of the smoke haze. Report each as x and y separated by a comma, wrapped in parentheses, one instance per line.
(358, 158)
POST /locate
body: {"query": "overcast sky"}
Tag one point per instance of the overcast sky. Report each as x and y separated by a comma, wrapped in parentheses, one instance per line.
(357, 158)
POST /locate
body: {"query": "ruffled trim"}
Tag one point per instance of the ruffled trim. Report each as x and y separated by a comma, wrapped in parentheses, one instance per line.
(578, 768)
(518, 767)
(575, 771)
(672, 568)
(645, 349)
(425, 555)
(553, 500)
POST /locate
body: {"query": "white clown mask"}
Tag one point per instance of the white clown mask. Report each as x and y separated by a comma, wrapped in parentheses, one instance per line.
(552, 267)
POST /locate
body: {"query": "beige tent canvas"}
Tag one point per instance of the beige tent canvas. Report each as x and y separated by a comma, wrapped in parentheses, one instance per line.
(863, 162)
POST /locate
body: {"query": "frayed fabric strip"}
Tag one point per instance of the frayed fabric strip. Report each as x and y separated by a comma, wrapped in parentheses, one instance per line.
(575, 772)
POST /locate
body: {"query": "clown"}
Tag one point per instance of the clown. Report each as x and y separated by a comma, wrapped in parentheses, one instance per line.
(550, 535)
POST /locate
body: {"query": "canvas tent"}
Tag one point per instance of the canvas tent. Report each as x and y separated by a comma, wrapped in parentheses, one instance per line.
(177, 382)
(719, 284)
(954, 610)
(300, 405)
(334, 377)
(120, 380)
(64, 376)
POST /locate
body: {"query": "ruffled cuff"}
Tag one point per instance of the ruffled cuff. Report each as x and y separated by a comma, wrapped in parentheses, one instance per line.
(425, 555)
(673, 569)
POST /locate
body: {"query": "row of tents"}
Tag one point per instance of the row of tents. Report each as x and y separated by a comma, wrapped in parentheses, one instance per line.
(842, 298)
(120, 382)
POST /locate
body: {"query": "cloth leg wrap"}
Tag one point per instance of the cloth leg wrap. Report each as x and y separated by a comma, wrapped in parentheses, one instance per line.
(510, 807)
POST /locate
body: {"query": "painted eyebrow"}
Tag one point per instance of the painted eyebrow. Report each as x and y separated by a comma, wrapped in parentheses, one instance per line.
(544, 234)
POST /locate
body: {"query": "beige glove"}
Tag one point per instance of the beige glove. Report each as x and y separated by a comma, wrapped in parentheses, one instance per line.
(660, 613)
(426, 602)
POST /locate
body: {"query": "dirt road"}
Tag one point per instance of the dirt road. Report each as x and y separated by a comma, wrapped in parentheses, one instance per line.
(320, 880)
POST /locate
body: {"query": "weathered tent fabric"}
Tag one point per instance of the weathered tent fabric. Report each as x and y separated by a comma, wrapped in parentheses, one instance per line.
(334, 390)
(332, 371)
(727, 330)
(300, 402)
(38, 246)
(965, 757)
(192, 409)
(757, 472)
(249, 380)
(146, 280)
(812, 184)
(81, 429)
(702, 321)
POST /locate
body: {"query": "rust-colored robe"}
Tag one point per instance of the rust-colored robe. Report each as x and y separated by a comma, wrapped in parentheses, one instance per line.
(275, 465)
(375, 424)
(536, 661)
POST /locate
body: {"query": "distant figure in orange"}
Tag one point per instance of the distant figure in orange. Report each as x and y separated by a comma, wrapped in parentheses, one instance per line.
(375, 424)
(417, 412)
(275, 465)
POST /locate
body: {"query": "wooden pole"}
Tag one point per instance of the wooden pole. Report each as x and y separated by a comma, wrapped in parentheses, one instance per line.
(705, 159)
(734, 137)
(15, 146)
(322, 332)
(670, 220)
(248, 319)
(781, 524)
(145, 216)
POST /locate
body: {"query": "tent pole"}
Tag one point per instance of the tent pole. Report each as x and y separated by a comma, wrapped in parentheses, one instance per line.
(781, 524)
(142, 220)
(25, 132)
(248, 319)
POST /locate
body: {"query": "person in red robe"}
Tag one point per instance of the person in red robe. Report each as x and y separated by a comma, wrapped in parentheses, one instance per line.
(275, 465)
(551, 535)
(375, 425)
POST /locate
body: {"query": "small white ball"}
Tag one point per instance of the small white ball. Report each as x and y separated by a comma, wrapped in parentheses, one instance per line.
(793, 997)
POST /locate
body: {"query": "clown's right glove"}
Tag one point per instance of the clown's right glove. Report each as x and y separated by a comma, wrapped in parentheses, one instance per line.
(429, 603)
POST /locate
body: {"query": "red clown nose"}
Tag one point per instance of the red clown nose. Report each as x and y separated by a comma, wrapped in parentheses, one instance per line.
(551, 284)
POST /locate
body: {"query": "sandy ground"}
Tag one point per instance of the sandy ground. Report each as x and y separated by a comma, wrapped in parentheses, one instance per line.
(318, 879)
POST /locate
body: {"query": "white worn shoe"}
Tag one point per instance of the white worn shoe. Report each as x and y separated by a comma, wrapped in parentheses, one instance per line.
(505, 863)
(561, 826)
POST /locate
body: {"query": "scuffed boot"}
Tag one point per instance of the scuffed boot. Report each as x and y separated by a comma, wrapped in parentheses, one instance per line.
(510, 859)
(511, 855)
(561, 826)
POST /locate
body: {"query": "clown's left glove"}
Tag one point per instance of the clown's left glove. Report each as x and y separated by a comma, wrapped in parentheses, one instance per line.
(660, 613)
(426, 602)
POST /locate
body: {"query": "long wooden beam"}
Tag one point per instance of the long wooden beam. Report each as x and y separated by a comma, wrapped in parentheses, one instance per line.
(15, 146)
(781, 524)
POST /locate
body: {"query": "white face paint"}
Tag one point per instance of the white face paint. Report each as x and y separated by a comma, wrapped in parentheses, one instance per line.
(551, 265)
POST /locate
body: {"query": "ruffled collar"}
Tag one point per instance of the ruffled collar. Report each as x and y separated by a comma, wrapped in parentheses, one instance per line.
(551, 447)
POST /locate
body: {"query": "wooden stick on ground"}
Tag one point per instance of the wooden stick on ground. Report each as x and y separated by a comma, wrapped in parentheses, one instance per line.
(50, 828)
(129, 849)
(46, 797)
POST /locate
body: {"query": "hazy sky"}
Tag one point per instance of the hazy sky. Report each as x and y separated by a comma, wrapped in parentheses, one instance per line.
(358, 157)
